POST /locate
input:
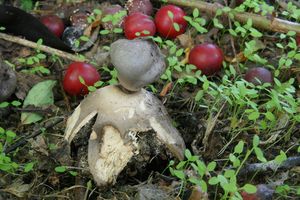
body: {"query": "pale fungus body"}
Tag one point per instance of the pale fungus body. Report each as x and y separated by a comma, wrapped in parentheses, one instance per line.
(138, 62)
(121, 115)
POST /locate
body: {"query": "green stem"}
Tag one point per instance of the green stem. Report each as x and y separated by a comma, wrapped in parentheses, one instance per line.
(244, 160)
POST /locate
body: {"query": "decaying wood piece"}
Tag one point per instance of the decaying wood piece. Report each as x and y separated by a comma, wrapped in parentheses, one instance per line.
(259, 21)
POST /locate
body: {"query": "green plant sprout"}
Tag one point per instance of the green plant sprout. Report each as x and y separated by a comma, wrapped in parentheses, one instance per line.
(91, 88)
(35, 61)
(196, 172)
(7, 164)
(63, 169)
(115, 19)
(196, 21)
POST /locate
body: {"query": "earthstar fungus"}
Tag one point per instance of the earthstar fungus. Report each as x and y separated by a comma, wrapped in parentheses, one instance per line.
(125, 110)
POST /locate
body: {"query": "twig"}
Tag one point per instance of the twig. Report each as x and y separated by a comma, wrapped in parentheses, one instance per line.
(237, 68)
(271, 165)
(262, 22)
(44, 48)
(24, 140)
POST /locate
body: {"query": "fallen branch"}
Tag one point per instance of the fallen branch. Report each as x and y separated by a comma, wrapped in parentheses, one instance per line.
(43, 48)
(25, 139)
(261, 22)
(270, 166)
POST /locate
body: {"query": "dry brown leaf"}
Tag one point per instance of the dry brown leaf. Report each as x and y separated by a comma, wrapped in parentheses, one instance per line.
(185, 40)
(166, 89)
(240, 57)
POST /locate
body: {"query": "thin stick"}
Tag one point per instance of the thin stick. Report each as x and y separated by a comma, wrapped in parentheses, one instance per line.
(25, 139)
(262, 22)
(44, 48)
(271, 165)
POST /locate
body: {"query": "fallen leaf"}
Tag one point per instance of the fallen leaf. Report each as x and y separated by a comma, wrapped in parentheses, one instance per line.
(18, 188)
(40, 95)
(166, 89)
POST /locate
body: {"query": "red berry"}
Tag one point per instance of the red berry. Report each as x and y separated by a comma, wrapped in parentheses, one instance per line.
(168, 19)
(247, 196)
(207, 57)
(138, 25)
(258, 75)
(143, 6)
(298, 40)
(54, 24)
(71, 82)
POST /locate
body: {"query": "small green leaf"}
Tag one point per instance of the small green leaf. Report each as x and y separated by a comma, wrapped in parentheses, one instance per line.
(235, 161)
(229, 187)
(179, 52)
(60, 169)
(97, 11)
(176, 26)
(104, 32)
(39, 42)
(157, 39)
(118, 30)
(217, 24)
(10, 134)
(146, 32)
(98, 84)
(255, 141)
(251, 189)
(73, 173)
(180, 165)
(211, 166)
(188, 154)
(89, 184)
(27, 5)
(171, 15)
(3, 131)
(298, 191)
(259, 154)
(84, 38)
(229, 173)
(205, 85)
(81, 80)
(291, 33)
(213, 181)
(4, 104)
(280, 158)
(253, 116)
(199, 95)
(270, 116)
(222, 179)
(195, 13)
(92, 88)
(239, 147)
(16, 103)
(179, 174)
(232, 32)
(28, 167)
